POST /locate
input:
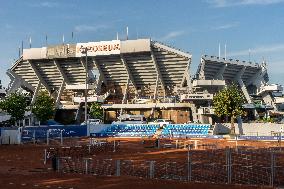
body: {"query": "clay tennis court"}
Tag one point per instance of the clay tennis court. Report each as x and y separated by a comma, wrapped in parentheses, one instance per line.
(22, 166)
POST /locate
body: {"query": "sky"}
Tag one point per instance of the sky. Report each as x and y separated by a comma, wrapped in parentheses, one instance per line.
(194, 26)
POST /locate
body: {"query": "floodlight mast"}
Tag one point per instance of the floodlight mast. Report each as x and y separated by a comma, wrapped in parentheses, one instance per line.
(86, 87)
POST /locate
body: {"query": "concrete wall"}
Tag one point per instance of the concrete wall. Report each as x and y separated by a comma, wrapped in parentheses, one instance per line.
(221, 128)
(249, 129)
(131, 46)
(34, 53)
(10, 136)
(260, 129)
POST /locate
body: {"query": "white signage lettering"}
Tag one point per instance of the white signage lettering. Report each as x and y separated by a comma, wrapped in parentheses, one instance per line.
(98, 48)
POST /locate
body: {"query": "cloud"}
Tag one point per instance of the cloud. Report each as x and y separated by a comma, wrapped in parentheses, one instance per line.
(89, 28)
(45, 4)
(225, 26)
(231, 3)
(259, 50)
(172, 35)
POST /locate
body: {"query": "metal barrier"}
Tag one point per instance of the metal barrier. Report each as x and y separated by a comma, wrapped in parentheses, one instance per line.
(80, 152)
(43, 134)
(251, 167)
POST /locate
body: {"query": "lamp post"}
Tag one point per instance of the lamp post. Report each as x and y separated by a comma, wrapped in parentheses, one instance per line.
(86, 90)
(85, 51)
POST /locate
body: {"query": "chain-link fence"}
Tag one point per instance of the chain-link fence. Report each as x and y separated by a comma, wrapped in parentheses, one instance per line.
(50, 134)
(80, 152)
(221, 166)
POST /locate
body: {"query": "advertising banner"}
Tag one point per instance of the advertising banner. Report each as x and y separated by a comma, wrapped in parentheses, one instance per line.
(98, 48)
(61, 51)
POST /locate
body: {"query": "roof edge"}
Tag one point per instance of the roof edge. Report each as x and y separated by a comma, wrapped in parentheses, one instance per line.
(172, 49)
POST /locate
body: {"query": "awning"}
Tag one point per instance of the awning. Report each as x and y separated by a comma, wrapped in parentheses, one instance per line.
(276, 112)
(248, 106)
(257, 106)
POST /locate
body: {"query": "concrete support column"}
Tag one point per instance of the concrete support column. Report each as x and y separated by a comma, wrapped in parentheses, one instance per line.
(220, 73)
(60, 93)
(101, 77)
(130, 76)
(125, 95)
(159, 75)
(39, 76)
(201, 75)
(36, 92)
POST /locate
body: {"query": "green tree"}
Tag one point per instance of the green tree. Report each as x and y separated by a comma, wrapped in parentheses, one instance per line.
(15, 105)
(44, 107)
(228, 102)
(96, 111)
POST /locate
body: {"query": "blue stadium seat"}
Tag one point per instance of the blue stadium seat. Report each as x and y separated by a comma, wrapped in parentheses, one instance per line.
(185, 130)
(130, 130)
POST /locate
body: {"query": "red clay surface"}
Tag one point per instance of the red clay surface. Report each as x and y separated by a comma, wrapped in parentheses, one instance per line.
(21, 166)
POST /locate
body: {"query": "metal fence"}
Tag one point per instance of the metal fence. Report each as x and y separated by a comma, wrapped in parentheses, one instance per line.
(81, 151)
(249, 167)
(45, 134)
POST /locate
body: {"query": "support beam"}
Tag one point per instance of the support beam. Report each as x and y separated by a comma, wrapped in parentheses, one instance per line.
(124, 62)
(61, 89)
(244, 89)
(99, 85)
(240, 74)
(17, 82)
(238, 78)
(17, 63)
(159, 75)
(12, 79)
(61, 71)
(186, 75)
(219, 75)
(63, 84)
(38, 75)
(125, 92)
(102, 77)
(156, 86)
(125, 95)
(170, 49)
(36, 92)
(82, 60)
(201, 68)
(257, 78)
(245, 92)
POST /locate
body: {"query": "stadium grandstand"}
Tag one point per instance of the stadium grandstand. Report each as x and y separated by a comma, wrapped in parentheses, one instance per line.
(121, 74)
(214, 73)
(140, 77)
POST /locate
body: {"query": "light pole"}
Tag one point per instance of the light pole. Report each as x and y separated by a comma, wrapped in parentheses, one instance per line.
(86, 87)
(86, 90)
